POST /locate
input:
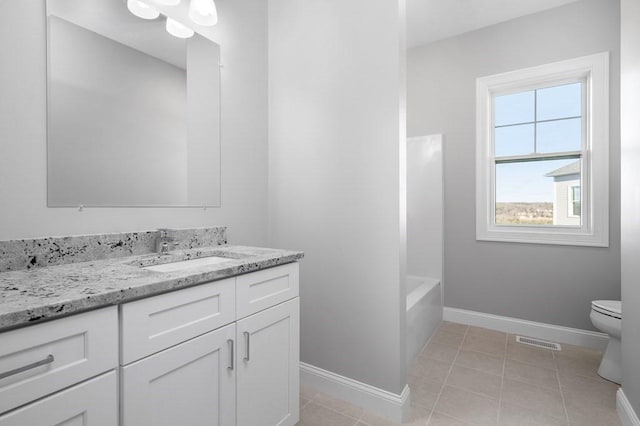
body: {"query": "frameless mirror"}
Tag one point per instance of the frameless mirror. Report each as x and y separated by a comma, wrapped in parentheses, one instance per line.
(133, 113)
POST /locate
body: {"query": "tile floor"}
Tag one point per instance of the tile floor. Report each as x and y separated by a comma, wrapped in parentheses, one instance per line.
(475, 376)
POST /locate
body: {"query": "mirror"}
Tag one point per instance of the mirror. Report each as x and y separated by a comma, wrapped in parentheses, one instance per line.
(133, 113)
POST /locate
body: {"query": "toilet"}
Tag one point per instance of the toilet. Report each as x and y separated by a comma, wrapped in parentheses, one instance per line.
(606, 316)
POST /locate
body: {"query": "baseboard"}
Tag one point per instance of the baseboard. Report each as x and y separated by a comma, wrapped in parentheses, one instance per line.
(392, 406)
(554, 333)
(628, 417)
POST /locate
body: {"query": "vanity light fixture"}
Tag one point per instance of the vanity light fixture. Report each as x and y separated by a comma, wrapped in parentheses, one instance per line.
(176, 29)
(142, 10)
(203, 12)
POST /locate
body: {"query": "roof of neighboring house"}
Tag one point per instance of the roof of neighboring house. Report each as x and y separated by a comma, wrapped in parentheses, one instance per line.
(569, 169)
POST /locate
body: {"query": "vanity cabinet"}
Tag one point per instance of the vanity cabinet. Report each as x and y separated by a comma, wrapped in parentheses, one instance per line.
(61, 372)
(224, 353)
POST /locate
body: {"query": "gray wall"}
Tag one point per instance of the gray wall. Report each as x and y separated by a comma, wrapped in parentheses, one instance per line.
(631, 202)
(336, 146)
(550, 284)
(242, 34)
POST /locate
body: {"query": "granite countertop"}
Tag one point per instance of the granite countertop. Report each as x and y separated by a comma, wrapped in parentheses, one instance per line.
(32, 295)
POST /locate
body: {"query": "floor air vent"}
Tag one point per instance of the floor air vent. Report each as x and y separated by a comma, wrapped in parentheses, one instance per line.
(538, 343)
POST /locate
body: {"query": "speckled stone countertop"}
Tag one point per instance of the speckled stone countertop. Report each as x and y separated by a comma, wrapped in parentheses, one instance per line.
(32, 295)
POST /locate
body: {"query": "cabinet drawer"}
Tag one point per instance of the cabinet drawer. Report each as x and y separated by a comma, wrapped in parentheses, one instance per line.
(44, 358)
(159, 322)
(262, 289)
(92, 403)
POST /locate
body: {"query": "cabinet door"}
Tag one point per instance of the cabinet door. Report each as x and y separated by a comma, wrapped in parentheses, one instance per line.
(92, 403)
(191, 384)
(268, 366)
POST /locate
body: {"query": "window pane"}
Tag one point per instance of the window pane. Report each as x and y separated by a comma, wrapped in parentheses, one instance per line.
(575, 206)
(559, 102)
(514, 140)
(536, 192)
(514, 109)
(558, 136)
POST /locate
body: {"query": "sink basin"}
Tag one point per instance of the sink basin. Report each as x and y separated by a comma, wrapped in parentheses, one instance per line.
(187, 264)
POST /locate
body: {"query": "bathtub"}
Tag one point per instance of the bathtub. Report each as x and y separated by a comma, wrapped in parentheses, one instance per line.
(424, 312)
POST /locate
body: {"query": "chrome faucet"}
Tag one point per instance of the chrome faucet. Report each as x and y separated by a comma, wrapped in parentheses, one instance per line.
(165, 240)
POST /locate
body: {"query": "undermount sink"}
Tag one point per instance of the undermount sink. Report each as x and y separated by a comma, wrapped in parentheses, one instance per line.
(187, 264)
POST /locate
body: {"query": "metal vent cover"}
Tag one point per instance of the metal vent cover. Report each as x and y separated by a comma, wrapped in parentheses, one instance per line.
(538, 343)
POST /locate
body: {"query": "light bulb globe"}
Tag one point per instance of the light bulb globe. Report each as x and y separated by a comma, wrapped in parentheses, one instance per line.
(142, 10)
(203, 12)
(168, 2)
(176, 29)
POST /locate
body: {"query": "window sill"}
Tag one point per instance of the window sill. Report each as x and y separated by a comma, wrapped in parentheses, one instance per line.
(565, 236)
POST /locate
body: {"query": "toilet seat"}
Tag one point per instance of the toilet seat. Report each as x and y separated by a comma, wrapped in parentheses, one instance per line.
(611, 308)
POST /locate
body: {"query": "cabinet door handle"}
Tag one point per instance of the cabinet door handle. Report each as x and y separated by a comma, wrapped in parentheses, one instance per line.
(231, 354)
(247, 339)
(48, 360)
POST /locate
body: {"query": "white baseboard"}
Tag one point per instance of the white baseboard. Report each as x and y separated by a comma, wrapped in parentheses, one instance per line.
(628, 417)
(554, 333)
(392, 406)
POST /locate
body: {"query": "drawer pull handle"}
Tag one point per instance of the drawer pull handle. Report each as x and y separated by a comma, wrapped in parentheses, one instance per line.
(247, 339)
(48, 360)
(231, 354)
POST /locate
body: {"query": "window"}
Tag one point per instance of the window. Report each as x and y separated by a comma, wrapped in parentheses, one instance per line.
(574, 206)
(542, 154)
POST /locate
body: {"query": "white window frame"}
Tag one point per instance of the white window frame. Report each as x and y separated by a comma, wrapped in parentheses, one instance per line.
(594, 231)
(571, 200)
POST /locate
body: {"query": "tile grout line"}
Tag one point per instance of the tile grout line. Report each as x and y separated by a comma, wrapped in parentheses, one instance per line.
(504, 367)
(483, 395)
(419, 354)
(447, 376)
(356, 420)
(564, 405)
(304, 405)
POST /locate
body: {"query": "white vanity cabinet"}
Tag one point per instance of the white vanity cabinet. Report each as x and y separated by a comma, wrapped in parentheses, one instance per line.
(61, 372)
(222, 353)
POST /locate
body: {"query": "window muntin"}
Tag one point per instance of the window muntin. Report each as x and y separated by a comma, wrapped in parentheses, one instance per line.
(512, 132)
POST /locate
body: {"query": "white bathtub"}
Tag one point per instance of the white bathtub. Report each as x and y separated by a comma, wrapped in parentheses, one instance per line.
(424, 312)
